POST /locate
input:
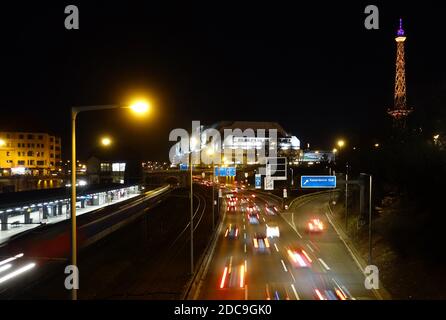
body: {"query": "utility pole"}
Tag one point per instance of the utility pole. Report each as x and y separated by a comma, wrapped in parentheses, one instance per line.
(213, 197)
(370, 220)
(191, 217)
(346, 198)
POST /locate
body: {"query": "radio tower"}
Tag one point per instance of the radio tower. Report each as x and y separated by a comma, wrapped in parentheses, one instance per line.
(400, 111)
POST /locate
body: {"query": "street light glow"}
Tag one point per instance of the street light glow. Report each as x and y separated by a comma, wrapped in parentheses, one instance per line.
(335, 150)
(140, 107)
(341, 143)
(106, 141)
(2, 143)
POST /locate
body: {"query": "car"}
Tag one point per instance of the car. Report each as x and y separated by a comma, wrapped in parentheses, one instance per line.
(233, 276)
(299, 258)
(331, 293)
(261, 243)
(272, 230)
(270, 209)
(231, 204)
(280, 291)
(253, 218)
(231, 232)
(315, 226)
(252, 208)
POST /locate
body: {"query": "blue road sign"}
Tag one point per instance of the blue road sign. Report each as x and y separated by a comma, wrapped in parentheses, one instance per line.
(318, 181)
(231, 172)
(224, 172)
(183, 166)
(258, 180)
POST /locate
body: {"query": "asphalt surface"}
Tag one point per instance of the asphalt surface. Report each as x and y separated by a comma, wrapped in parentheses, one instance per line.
(255, 275)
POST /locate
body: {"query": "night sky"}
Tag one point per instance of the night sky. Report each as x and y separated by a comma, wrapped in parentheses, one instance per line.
(313, 68)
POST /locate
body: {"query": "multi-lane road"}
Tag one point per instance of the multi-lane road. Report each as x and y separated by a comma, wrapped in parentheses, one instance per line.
(322, 269)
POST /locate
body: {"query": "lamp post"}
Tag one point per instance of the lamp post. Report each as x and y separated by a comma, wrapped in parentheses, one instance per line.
(346, 197)
(210, 152)
(139, 107)
(193, 142)
(370, 220)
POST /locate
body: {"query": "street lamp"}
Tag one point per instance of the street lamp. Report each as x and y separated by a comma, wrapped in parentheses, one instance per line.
(2, 143)
(138, 107)
(370, 216)
(341, 143)
(192, 143)
(106, 141)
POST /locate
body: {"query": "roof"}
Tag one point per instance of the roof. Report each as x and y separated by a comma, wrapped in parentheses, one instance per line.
(255, 125)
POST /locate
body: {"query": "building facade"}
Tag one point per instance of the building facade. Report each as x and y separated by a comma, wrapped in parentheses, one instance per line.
(29, 153)
(241, 143)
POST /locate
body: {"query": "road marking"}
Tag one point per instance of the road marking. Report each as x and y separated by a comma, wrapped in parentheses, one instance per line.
(292, 276)
(284, 266)
(244, 235)
(275, 246)
(292, 227)
(309, 247)
(244, 227)
(295, 292)
(246, 266)
(268, 297)
(324, 264)
(264, 220)
(245, 247)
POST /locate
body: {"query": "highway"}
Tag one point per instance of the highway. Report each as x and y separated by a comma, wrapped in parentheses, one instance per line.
(323, 269)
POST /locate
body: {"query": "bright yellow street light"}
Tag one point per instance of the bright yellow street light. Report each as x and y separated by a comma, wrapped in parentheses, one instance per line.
(106, 141)
(341, 143)
(335, 150)
(140, 107)
(2, 143)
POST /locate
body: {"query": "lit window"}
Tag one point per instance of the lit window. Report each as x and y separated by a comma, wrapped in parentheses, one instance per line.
(118, 167)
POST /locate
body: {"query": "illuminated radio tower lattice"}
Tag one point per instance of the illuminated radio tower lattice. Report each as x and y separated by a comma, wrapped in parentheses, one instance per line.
(400, 111)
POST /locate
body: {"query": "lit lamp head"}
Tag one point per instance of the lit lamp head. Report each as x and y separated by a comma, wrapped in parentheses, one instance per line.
(140, 107)
(2, 143)
(341, 143)
(106, 141)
